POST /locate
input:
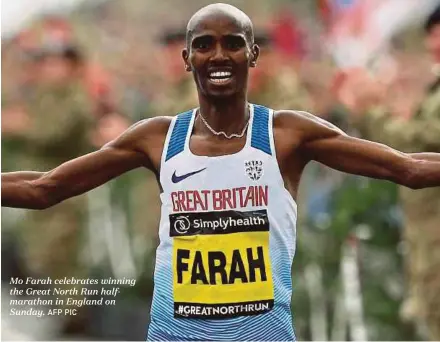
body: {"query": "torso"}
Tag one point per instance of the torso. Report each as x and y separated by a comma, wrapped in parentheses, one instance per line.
(238, 185)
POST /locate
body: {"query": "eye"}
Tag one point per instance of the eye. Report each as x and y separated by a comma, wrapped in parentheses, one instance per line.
(202, 43)
(235, 43)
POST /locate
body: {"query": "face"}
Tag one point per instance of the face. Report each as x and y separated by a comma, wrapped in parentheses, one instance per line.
(219, 56)
(432, 42)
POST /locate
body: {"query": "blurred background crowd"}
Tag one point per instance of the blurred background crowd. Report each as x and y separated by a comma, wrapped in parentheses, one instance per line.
(368, 253)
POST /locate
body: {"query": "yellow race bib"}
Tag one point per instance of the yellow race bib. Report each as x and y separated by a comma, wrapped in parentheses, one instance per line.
(221, 264)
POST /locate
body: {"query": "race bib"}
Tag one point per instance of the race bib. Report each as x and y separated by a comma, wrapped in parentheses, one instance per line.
(221, 264)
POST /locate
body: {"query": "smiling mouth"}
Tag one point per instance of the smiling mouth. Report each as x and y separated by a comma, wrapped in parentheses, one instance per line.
(220, 77)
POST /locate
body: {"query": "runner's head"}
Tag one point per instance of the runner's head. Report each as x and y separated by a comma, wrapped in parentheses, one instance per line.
(219, 50)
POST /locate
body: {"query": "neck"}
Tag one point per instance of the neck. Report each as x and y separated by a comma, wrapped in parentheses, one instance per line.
(229, 115)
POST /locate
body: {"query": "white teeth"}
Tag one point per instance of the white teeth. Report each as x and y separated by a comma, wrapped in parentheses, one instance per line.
(219, 80)
(220, 74)
(220, 77)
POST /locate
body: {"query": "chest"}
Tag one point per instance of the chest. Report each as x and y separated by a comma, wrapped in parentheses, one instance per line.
(203, 145)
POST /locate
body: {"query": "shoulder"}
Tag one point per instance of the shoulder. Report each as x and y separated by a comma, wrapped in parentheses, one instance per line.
(144, 131)
(145, 140)
(303, 125)
(298, 118)
(157, 126)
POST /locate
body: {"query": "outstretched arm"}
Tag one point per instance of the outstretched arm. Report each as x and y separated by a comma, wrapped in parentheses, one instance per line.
(35, 190)
(325, 143)
(429, 156)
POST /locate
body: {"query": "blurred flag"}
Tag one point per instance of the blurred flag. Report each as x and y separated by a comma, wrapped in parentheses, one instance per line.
(359, 31)
(346, 31)
(330, 10)
(286, 35)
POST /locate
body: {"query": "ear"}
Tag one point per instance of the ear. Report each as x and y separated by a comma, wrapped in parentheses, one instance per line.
(185, 56)
(255, 53)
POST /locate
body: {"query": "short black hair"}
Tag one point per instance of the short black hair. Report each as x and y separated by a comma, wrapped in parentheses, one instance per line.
(433, 20)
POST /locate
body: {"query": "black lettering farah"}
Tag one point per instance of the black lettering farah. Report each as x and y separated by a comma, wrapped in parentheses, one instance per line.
(216, 264)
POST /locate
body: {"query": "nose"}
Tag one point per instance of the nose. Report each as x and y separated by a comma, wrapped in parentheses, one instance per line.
(219, 54)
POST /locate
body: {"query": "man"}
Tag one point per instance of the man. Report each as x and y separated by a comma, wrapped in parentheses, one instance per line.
(389, 123)
(229, 173)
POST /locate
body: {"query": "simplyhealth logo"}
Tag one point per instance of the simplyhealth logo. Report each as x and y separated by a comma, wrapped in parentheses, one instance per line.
(218, 222)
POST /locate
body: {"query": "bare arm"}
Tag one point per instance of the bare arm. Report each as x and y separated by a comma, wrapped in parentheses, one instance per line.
(435, 157)
(11, 177)
(35, 190)
(325, 143)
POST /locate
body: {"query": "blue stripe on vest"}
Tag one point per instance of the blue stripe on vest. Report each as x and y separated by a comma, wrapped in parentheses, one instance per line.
(260, 129)
(178, 136)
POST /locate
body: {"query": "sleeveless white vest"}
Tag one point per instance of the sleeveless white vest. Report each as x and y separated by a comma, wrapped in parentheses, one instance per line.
(227, 240)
